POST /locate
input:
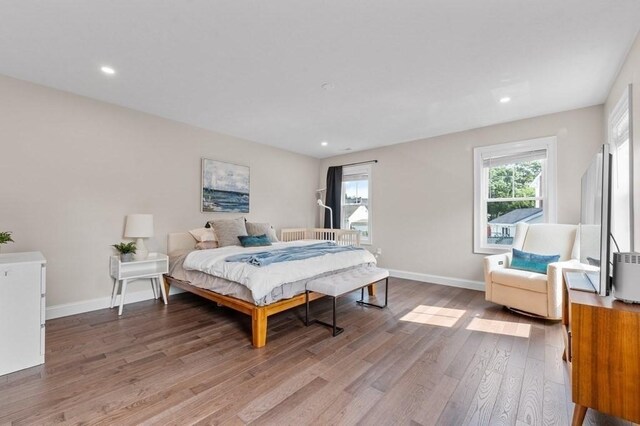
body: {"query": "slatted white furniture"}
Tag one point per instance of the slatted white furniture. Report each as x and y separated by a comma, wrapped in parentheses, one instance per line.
(153, 268)
(342, 237)
(22, 310)
(345, 282)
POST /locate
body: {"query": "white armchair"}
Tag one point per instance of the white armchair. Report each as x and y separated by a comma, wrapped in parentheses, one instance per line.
(532, 292)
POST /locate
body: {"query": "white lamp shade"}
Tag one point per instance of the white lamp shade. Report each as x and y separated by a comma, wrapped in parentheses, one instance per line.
(139, 226)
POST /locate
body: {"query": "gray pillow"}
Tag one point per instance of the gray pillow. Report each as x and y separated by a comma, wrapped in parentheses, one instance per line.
(256, 229)
(228, 231)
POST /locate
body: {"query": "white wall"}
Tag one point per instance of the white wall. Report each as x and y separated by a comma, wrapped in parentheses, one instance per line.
(630, 74)
(71, 168)
(422, 198)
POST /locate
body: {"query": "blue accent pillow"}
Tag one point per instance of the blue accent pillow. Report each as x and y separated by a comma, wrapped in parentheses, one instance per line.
(532, 262)
(254, 240)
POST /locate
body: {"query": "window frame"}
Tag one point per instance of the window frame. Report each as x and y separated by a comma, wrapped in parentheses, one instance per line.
(359, 169)
(621, 111)
(481, 176)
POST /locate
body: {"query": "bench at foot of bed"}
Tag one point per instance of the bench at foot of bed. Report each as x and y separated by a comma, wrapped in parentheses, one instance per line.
(259, 314)
(345, 282)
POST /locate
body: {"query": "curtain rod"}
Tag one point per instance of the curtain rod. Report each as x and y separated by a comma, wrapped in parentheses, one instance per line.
(361, 162)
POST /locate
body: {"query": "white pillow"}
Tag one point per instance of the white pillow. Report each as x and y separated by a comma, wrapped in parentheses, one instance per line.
(207, 245)
(203, 234)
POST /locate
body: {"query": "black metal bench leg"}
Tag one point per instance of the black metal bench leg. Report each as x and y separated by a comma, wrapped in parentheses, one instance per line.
(386, 293)
(334, 327)
(334, 317)
(306, 308)
(336, 330)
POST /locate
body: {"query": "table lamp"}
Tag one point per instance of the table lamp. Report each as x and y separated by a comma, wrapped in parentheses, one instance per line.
(139, 226)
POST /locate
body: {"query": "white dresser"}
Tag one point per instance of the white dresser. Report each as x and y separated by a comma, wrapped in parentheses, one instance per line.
(22, 310)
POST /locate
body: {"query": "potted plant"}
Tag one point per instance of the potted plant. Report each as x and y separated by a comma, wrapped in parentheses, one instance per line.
(126, 250)
(5, 237)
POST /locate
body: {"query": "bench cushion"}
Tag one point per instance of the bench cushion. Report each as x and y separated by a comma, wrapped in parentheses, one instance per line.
(344, 282)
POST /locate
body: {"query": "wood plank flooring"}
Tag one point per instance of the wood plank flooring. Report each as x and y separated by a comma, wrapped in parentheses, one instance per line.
(191, 362)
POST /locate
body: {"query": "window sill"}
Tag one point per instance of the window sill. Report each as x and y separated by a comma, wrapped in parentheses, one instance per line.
(491, 250)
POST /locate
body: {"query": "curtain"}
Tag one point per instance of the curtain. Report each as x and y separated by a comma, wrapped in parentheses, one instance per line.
(334, 196)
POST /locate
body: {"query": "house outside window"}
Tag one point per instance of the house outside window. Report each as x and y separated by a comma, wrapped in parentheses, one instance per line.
(356, 200)
(514, 183)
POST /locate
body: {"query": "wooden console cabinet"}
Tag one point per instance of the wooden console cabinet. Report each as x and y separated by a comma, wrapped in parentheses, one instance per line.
(602, 345)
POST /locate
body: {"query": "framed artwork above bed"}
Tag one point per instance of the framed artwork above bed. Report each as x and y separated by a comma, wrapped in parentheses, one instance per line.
(225, 187)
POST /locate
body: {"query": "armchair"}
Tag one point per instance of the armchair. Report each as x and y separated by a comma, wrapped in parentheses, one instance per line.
(531, 292)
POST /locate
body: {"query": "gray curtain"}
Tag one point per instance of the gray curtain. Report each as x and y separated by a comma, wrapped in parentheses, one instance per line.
(334, 196)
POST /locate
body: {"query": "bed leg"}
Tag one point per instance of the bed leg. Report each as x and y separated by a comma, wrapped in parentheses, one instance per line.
(165, 282)
(371, 288)
(259, 327)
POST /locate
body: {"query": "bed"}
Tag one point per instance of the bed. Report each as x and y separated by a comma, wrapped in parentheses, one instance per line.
(238, 296)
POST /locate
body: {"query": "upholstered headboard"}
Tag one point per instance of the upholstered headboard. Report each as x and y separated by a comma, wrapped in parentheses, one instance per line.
(180, 241)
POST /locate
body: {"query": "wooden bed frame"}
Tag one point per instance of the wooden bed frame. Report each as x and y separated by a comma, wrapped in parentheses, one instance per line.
(260, 314)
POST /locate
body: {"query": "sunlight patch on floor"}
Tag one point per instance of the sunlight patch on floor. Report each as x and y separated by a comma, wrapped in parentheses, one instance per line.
(434, 315)
(500, 327)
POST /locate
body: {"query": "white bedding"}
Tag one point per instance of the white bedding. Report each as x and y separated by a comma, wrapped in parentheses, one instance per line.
(262, 280)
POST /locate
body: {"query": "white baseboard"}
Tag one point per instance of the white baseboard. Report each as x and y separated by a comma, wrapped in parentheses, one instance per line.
(437, 279)
(66, 309)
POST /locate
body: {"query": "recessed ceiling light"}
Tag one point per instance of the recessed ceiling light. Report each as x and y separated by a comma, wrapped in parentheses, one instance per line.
(505, 99)
(107, 70)
(324, 143)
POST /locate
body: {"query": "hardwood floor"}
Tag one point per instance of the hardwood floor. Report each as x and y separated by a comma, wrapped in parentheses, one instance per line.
(192, 362)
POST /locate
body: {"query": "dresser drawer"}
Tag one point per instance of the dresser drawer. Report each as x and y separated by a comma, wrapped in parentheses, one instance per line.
(20, 316)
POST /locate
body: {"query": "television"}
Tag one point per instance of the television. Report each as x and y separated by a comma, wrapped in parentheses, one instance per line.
(595, 220)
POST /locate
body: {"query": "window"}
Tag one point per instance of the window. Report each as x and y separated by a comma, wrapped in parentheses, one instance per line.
(356, 200)
(514, 182)
(621, 198)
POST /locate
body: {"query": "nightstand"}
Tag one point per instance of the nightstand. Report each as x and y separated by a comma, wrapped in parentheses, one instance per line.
(153, 267)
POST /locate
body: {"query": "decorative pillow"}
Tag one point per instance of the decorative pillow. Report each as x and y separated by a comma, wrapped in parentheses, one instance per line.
(228, 231)
(203, 234)
(206, 245)
(254, 240)
(256, 229)
(532, 262)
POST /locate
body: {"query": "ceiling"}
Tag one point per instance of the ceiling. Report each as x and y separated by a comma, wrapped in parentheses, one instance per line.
(392, 71)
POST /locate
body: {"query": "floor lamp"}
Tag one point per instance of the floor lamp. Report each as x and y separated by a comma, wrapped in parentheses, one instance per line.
(321, 204)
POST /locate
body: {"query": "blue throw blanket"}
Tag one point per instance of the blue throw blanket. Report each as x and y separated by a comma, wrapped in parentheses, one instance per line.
(265, 258)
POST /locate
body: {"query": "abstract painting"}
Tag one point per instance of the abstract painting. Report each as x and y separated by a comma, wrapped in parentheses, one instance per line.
(225, 187)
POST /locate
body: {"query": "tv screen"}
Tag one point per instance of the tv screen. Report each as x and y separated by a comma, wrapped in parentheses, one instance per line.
(595, 221)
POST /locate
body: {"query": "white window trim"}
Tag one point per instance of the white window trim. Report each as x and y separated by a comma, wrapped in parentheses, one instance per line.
(369, 171)
(623, 107)
(479, 194)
